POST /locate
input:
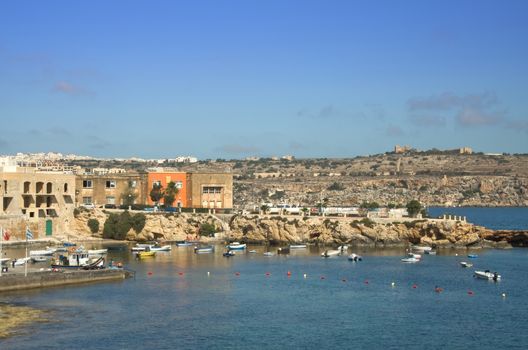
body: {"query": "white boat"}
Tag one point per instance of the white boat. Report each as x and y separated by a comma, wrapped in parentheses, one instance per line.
(164, 248)
(141, 247)
(202, 250)
(297, 246)
(268, 254)
(419, 248)
(252, 251)
(48, 252)
(330, 252)
(3, 261)
(410, 260)
(78, 260)
(342, 248)
(430, 252)
(236, 246)
(184, 244)
(355, 257)
(22, 261)
(414, 255)
(465, 264)
(97, 252)
(487, 275)
(41, 258)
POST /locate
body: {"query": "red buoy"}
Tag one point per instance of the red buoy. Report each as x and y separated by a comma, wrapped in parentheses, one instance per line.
(322, 277)
(289, 273)
(439, 290)
(267, 273)
(150, 273)
(414, 286)
(366, 282)
(237, 273)
(470, 292)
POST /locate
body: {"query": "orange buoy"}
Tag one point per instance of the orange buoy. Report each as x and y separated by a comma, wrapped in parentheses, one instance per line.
(150, 273)
(289, 273)
(180, 273)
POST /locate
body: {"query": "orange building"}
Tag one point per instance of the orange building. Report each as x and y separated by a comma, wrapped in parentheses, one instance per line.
(164, 178)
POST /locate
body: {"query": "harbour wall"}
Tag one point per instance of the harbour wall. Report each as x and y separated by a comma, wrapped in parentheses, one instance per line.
(13, 282)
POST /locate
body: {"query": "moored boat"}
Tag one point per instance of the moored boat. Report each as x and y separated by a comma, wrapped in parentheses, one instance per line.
(421, 248)
(487, 275)
(472, 256)
(297, 246)
(77, 260)
(268, 254)
(158, 248)
(330, 253)
(184, 244)
(355, 257)
(40, 258)
(229, 253)
(97, 252)
(414, 255)
(48, 252)
(4, 261)
(22, 261)
(465, 264)
(236, 246)
(146, 254)
(202, 250)
(410, 260)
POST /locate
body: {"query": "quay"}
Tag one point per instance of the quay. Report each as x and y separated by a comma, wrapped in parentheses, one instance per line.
(43, 279)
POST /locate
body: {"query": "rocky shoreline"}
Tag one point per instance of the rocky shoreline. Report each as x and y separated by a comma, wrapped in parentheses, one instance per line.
(277, 230)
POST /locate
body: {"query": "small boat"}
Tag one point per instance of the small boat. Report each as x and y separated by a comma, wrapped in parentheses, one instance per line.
(430, 252)
(40, 258)
(164, 248)
(342, 248)
(283, 250)
(421, 248)
(22, 261)
(69, 244)
(184, 244)
(202, 250)
(465, 264)
(414, 255)
(410, 260)
(297, 246)
(229, 253)
(48, 252)
(236, 246)
(141, 247)
(268, 254)
(97, 252)
(252, 251)
(472, 256)
(77, 260)
(3, 261)
(58, 249)
(330, 252)
(355, 257)
(146, 254)
(487, 275)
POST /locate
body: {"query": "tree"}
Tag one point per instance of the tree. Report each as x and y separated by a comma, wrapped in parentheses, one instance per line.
(129, 195)
(169, 195)
(207, 229)
(156, 193)
(413, 208)
(264, 208)
(138, 222)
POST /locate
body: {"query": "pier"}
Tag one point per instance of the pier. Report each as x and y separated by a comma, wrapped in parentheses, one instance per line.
(43, 279)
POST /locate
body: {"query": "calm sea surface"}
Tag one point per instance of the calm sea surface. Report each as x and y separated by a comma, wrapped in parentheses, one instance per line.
(494, 218)
(173, 303)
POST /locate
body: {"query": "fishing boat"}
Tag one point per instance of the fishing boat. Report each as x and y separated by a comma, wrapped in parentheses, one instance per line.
(297, 246)
(158, 248)
(410, 260)
(472, 256)
(77, 260)
(41, 258)
(330, 253)
(202, 250)
(184, 244)
(465, 264)
(487, 275)
(229, 253)
(355, 257)
(236, 246)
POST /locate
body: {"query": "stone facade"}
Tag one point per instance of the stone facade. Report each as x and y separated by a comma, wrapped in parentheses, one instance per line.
(111, 188)
(211, 190)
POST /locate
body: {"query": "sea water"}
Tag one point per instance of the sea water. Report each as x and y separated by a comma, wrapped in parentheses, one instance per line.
(500, 218)
(182, 300)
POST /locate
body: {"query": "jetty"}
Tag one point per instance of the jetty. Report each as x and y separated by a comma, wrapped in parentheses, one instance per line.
(43, 279)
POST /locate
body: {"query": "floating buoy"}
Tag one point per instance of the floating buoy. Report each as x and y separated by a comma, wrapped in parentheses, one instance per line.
(180, 273)
(470, 292)
(393, 284)
(267, 273)
(414, 286)
(237, 273)
(208, 273)
(304, 275)
(343, 280)
(322, 277)
(503, 295)
(439, 290)
(456, 254)
(150, 273)
(366, 282)
(289, 273)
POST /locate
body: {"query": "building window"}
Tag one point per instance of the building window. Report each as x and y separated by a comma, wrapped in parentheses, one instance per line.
(156, 183)
(87, 183)
(110, 184)
(179, 184)
(87, 200)
(211, 189)
(133, 183)
(65, 188)
(110, 200)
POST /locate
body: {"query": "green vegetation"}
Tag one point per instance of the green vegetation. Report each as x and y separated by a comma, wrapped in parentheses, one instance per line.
(93, 224)
(156, 193)
(129, 195)
(169, 195)
(117, 226)
(207, 229)
(369, 205)
(413, 208)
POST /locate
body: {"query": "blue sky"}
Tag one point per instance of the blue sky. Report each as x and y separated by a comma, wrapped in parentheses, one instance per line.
(230, 79)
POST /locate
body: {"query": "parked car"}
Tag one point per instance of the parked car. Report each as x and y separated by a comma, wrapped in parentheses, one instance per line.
(88, 206)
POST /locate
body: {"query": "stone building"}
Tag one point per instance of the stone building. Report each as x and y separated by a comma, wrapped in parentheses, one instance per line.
(111, 189)
(41, 200)
(210, 190)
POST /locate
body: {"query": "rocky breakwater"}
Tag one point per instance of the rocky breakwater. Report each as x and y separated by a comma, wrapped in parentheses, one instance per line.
(363, 232)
